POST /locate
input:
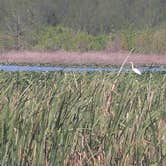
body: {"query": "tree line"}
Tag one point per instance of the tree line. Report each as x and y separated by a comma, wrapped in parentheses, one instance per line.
(21, 21)
(93, 16)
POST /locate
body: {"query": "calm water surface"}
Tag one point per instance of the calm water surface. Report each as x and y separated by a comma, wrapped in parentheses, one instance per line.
(15, 68)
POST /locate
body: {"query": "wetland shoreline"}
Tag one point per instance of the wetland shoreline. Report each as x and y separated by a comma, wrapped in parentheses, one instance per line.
(63, 57)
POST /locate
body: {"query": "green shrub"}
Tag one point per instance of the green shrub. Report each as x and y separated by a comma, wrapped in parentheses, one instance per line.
(86, 42)
(143, 41)
(127, 36)
(7, 42)
(151, 41)
(99, 42)
(59, 37)
(159, 41)
(53, 38)
(63, 38)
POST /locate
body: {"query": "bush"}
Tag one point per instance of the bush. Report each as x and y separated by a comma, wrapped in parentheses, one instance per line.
(151, 41)
(62, 38)
(127, 37)
(54, 38)
(86, 42)
(6, 42)
(159, 41)
(143, 41)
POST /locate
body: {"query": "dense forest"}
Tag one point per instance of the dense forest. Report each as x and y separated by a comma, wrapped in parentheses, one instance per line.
(25, 21)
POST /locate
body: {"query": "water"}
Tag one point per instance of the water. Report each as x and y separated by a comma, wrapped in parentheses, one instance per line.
(15, 68)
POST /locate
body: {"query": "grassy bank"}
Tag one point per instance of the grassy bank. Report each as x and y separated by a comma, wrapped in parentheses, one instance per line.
(62, 38)
(84, 118)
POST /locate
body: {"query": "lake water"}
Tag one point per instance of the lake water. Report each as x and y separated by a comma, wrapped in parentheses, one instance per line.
(16, 68)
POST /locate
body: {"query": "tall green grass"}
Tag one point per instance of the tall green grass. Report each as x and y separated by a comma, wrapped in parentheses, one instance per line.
(82, 118)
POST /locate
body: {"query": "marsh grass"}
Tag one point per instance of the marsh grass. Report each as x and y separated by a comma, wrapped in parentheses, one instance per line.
(82, 119)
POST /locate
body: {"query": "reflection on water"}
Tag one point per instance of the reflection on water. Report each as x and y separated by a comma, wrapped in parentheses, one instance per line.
(14, 68)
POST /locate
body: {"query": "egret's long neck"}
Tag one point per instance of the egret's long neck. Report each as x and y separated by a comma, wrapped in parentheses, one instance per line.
(132, 65)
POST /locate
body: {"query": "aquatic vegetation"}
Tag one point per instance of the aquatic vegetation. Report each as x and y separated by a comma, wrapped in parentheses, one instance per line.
(85, 118)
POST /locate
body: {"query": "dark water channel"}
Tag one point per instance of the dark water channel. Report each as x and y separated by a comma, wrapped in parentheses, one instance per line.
(16, 68)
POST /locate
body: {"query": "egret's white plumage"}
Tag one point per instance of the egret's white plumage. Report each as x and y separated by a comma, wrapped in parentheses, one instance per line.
(135, 69)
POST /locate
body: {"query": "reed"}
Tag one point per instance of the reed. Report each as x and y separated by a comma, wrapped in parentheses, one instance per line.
(82, 119)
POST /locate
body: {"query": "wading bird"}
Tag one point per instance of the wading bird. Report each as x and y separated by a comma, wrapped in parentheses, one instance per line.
(135, 69)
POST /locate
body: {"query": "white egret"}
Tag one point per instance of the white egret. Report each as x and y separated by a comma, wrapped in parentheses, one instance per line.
(135, 69)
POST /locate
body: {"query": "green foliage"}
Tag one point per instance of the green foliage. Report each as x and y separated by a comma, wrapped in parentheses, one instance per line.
(143, 41)
(6, 41)
(88, 118)
(53, 38)
(59, 37)
(159, 41)
(151, 41)
(127, 37)
(94, 17)
(63, 38)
